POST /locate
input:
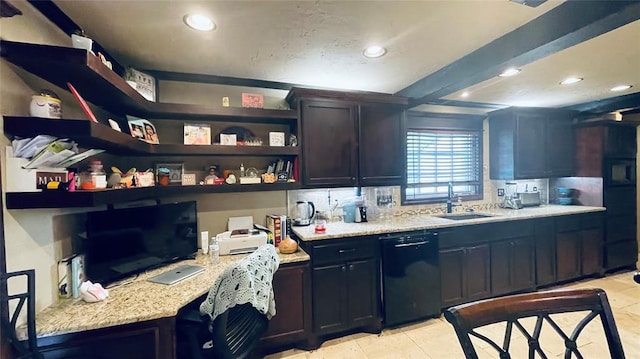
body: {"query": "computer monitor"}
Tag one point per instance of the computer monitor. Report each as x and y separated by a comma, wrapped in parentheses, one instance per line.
(126, 241)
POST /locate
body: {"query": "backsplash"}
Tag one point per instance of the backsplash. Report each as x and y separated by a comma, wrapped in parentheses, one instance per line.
(381, 202)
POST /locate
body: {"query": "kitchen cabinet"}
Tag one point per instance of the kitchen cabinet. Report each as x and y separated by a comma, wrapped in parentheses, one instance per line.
(152, 339)
(350, 139)
(607, 150)
(381, 154)
(512, 265)
(346, 290)
(545, 251)
(579, 240)
(103, 87)
(292, 322)
(530, 143)
(465, 265)
(329, 143)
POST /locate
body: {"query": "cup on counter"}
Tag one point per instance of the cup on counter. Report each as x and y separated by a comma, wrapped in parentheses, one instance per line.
(320, 226)
(349, 212)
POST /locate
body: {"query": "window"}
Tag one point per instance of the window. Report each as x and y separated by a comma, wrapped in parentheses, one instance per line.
(437, 155)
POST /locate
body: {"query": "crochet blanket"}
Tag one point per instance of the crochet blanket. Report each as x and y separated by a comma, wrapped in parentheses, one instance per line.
(248, 280)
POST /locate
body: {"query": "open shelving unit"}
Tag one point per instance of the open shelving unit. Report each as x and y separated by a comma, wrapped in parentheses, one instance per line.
(103, 87)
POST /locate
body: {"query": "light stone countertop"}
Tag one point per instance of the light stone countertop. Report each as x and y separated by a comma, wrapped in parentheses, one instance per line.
(426, 221)
(138, 300)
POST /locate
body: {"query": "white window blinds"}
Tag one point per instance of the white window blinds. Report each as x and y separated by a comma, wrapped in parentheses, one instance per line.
(437, 157)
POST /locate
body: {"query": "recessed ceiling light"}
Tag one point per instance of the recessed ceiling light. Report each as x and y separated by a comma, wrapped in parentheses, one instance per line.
(571, 80)
(374, 51)
(465, 94)
(199, 22)
(620, 88)
(510, 72)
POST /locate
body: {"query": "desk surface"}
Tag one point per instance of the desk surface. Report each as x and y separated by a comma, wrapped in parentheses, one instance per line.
(138, 300)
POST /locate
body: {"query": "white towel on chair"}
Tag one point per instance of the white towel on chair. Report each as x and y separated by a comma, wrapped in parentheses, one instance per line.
(248, 280)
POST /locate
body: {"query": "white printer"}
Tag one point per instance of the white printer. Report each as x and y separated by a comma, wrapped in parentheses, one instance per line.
(241, 237)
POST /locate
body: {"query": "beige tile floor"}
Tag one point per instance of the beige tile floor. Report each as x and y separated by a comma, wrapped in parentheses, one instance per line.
(435, 338)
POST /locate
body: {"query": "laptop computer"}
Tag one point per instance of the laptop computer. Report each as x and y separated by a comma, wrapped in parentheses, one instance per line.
(177, 274)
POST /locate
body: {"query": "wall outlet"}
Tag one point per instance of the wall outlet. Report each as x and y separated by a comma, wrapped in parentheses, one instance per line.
(500, 192)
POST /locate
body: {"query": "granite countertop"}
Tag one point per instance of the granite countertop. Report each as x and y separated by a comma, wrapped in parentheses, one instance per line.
(427, 221)
(137, 300)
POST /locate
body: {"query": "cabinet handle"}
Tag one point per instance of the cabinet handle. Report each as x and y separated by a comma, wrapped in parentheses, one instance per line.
(344, 268)
(350, 266)
(343, 251)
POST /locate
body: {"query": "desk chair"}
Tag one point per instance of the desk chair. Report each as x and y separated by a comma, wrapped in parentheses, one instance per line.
(482, 319)
(23, 349)
(235, 313)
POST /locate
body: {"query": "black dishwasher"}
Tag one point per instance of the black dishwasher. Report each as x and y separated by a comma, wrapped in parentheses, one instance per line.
(410, 276)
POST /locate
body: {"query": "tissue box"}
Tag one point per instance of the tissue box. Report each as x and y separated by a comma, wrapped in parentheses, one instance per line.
(28, 180)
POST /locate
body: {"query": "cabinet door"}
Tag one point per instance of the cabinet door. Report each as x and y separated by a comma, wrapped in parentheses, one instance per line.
(530, 155)
(559, 147)
(363, 298)
(329, 296)
(568, 255)
(522, 265)
(329, 143)
(288, 325)
(477, 272)
(380, 145)
(545, 247)
(620, 141)
(592, 255)
(500, 267)
(452, 276)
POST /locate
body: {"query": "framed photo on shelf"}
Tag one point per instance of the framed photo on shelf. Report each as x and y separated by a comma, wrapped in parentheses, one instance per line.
(253, 100)
(197, 134)
(142, 129)
(176, 170)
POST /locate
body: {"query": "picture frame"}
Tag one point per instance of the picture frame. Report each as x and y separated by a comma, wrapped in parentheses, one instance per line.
(145, 83)
(176, 170)
(276, 139)
(197, 134)
(253, 100)
(143, 129)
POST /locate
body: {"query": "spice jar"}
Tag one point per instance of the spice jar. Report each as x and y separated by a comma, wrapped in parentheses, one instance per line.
(164, 176)
(94, 177)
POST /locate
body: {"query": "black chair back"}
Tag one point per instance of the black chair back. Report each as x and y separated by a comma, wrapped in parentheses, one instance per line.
(531, 315)
(21, 302)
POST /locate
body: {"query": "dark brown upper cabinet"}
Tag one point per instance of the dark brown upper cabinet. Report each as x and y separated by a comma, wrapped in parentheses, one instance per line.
(530, 143)
(350, 139)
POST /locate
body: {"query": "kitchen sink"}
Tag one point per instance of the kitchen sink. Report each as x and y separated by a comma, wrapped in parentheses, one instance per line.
(461, 216)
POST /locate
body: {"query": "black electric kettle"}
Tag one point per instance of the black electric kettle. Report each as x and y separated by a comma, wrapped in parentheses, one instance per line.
(303, 214)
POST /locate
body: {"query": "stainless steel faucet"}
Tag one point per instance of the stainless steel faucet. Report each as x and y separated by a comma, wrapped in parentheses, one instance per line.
(449, 195)
(450, 204)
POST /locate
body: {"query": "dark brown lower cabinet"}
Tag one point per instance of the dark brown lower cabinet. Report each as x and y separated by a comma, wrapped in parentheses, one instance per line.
(346, 286)
(153, 339)
(465, 274)
(291, 324)
(512, 265)
(579, 240)
(545, 246)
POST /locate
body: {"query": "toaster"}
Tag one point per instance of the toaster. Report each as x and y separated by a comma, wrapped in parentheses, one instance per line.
(529, 199)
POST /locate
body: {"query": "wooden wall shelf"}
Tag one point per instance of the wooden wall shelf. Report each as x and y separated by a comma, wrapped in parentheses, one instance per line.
(63, 199)
(103, 87)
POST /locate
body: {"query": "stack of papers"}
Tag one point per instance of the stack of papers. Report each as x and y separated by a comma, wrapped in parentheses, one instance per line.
(48, 151)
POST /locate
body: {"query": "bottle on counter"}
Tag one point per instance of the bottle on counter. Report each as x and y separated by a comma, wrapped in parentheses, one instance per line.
(214, 252)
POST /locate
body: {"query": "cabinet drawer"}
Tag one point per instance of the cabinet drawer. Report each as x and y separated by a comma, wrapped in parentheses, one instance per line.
(568, 223)
(592, 220)
(342, 250)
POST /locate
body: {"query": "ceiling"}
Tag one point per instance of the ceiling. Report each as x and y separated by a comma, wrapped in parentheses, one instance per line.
(436, 49)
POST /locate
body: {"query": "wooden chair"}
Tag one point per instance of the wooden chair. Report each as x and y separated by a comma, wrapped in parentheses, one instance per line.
(28, 348)
(521, 310)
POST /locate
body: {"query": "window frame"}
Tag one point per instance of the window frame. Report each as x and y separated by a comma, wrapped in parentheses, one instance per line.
(422, 121)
